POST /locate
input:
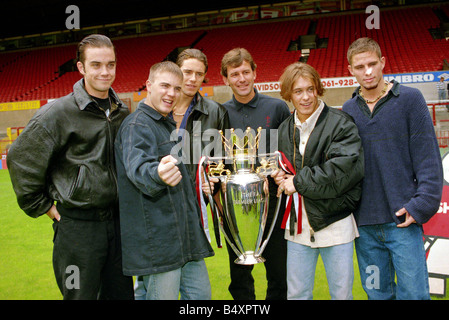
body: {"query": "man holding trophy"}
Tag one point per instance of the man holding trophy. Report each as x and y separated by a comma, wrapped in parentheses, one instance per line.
(323, 164)
(248, 108)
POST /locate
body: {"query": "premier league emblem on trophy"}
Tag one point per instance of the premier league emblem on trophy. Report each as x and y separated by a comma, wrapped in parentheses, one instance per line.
(244, 194)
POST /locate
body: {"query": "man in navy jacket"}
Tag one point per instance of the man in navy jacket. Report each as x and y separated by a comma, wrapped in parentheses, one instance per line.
(162, 236)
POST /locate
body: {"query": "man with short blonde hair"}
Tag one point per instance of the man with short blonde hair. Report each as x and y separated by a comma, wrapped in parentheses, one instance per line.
(162, 237)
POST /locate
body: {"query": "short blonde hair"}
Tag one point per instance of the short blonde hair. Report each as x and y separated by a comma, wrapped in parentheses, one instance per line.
(363, 45)
(165, 66)
(297, 70)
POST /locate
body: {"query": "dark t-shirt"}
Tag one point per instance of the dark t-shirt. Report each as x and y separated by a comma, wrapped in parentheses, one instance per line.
(104, 104)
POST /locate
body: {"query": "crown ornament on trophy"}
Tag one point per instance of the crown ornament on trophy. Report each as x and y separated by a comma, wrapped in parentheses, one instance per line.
(244, 194)
(241, 152)
(248, 144)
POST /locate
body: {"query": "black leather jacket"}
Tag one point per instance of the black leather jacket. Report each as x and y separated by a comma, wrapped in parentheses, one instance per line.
(206, 115)
(329, 175)
(66, 154)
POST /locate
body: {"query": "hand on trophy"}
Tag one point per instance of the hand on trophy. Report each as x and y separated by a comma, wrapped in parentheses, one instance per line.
(168, 171)
(205, 186)
(278, 175)
(284, 181)
(287, 185)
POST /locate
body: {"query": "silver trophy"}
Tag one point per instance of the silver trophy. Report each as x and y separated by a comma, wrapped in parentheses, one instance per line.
(244, 195)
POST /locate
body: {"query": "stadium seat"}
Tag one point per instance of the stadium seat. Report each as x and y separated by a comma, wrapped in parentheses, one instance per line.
(408, 46)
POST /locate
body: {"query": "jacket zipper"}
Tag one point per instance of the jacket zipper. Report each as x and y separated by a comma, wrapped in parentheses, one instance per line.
(111, 151)
(312, 233)
(108, 116)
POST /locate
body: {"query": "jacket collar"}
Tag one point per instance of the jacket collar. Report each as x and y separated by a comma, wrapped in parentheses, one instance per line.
(150, 111)
(292, 126)
(83, 99)
(310, 121)
(200, 105)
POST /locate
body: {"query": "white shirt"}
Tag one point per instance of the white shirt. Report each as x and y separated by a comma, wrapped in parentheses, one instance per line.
(339, 232)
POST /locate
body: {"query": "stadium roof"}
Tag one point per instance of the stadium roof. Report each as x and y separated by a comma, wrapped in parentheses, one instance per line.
(23, 17)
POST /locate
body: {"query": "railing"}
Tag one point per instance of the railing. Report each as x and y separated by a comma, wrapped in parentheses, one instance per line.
(441, 133)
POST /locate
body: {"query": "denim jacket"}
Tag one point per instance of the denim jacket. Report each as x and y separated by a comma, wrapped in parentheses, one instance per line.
(160, 225)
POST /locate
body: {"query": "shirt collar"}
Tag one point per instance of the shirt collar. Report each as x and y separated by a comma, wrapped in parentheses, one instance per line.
(253, 103)
(192, 104)
(150, 111)
(83, 99)
(310, 121)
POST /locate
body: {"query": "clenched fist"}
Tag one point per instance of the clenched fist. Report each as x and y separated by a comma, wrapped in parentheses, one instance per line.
(168, 171)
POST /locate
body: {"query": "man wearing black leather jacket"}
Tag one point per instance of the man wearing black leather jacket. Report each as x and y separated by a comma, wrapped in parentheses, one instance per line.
(63, 165)
(322, 177)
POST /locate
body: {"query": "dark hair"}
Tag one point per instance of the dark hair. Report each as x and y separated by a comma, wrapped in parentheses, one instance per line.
(93, 40)
(192, 53)
(235, 58)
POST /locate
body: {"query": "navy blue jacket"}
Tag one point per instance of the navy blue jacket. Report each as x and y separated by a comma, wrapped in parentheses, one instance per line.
(160, 225)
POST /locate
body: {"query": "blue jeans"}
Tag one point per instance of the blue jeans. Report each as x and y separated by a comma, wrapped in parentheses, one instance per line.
(442, 94)
(191, 281)
(384, 251)
(301, 265)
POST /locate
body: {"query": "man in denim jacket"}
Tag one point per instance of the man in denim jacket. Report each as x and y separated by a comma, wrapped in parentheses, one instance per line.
(162, 236)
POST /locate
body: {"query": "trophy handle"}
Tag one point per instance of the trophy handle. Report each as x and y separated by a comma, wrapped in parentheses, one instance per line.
(276, 213)
(213, 207)
(217, 224)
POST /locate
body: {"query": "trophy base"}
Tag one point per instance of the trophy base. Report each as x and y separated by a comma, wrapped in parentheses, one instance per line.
(249, 259)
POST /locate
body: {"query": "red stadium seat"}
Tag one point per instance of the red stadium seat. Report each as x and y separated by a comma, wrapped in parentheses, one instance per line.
(408, 45)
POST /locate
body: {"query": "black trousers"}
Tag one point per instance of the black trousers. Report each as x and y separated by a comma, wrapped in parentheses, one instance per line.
(87, 260)
(275, 253)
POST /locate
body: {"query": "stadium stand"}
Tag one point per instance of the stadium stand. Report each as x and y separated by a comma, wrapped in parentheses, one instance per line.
(267, 42)
(135, 56)
(26, 75)
(404, 36)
